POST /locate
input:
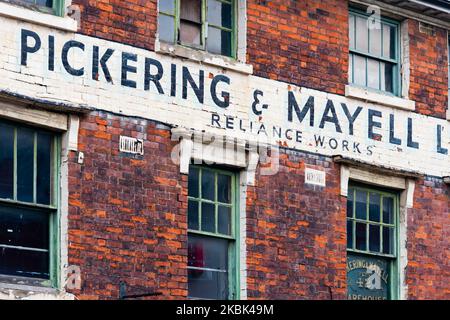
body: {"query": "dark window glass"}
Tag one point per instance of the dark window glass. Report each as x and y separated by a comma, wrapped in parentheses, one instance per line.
(361, 236)
(374, 238)
(387, 77)
(207, 252)
(193, 183)
(25, 164)
(224, 222)
(6, 161)
(374, 207)
(388, 236)
(349, 234)
(350, 203)
(208, 217)
(24, 263)
(23, 227)
(388, 210)
(193, 222)
(207, 284)
(361, 205)
(208, 185)
(43, 182)
(24, 242)
(212, 254)
(224, 188)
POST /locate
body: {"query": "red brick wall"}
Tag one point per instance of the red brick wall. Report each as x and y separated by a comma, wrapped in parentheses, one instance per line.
(428, 271)
(127, 215)
(429, 77)
(130, 22)
(296, 245)
(300, 42)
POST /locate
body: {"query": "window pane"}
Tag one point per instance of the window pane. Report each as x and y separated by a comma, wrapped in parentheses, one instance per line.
(167, 6)
(208, 185)
(220, 14)
(350, 203)
(208, 217)
(24, 227)
(224, 188)
(43, 183)
(362, 34)
(389, 45)
(219, 41)
(6, 161)
(373, 74)
(374, 238)
(349, 234)
(359, 71)
(193, 182)
(350, 69)
(361, 205)
(193, 215)
(191, 10)
(204, 284)
(190, 33)
(166, 28)
(351, 23)
(361, 236)
(388, 210)
(388, 240)
(374, 207)
(24, 263)
(387, 74)
(375, 41)
(25, 164)
(207, 252)
(224, 220)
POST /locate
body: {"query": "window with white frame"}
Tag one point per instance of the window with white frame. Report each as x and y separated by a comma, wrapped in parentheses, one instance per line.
(208, 25)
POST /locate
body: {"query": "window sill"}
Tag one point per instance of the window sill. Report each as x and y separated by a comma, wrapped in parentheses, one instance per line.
(203, 57)
(19, 288)
(49, 20)
(380, 98)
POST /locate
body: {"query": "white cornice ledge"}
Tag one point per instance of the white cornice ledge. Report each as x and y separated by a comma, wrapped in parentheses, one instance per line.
(48, 20)
(379, 98)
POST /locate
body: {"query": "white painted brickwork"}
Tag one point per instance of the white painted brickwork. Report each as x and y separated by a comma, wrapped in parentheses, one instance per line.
(35, 80)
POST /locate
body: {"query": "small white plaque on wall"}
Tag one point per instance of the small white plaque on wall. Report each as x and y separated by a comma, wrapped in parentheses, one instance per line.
(315, 177)
(131, 145)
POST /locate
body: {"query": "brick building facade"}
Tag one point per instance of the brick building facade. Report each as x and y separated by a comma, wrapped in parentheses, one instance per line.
(224, 149)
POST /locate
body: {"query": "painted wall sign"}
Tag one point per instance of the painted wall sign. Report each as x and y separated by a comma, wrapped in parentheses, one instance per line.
(368, 278)
(48, 64)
